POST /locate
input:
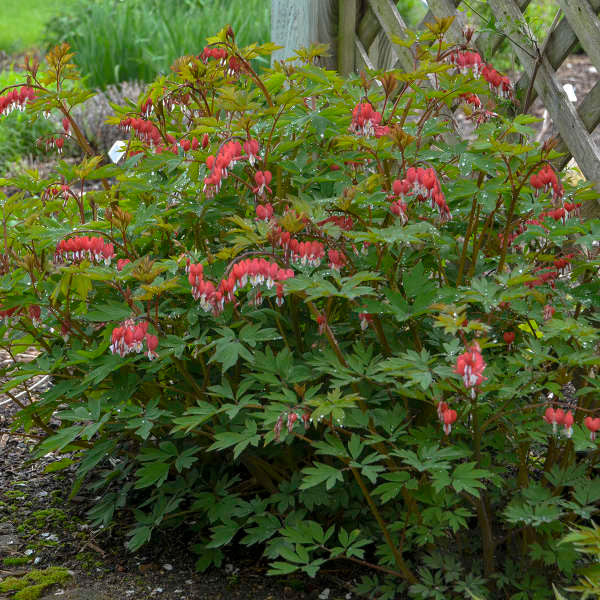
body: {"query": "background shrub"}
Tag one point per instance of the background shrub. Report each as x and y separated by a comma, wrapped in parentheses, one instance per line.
(134, 40)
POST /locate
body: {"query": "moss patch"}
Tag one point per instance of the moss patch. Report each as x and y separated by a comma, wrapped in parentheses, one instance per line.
(16, 561)
(32, 585)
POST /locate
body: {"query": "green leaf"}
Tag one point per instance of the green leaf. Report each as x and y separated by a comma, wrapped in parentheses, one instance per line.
(154, 473)
(320, 473)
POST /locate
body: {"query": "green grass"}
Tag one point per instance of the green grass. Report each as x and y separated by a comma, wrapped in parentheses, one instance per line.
(130, 40)
(22, 22)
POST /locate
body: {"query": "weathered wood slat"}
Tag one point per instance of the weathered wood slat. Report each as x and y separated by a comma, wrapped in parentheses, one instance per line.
(562, 112)
(361, 56)
(346, 35)
(586, 25)
(368, 28)
(589, 113)
(496, 39)
(559, 45)
(392, 24)
(303, 22)
(447, 8)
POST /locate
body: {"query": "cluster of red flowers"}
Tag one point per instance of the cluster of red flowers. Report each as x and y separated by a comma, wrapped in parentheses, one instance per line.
(54, 190)
(147, 108)
(16, 99)
(470, 366)
(262, 179)
(187, 145)
(466, 61)
(251, 149)
(219, 54)
(344, 222)
(337, 259)
(255, 271)
(549, 275)
(546, 180)
(304, 253)
(234, 64)
(424, 184)
(479, 114)
(291, 419)
(129, 338)
(499, 84)
(219, 166)
(366, 121)
(146, 130)
(34, 312)
(80, 248)
(121, 263)
(560, 417)
(521, 229)
(447, 416)
(472, 99)
(264, 212)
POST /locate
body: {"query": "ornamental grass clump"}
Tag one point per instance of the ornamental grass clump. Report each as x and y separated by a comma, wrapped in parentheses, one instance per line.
(300, 316)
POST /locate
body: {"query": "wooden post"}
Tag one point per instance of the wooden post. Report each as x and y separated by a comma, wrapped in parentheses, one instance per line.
(300, 23)
(346, 36)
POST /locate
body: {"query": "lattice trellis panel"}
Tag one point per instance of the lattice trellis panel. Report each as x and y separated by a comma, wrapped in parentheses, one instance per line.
(366, 29)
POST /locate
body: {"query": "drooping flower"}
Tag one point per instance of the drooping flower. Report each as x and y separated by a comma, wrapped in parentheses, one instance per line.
(337, 259)
(262, 179)
(365, 320)
(554, 417)
(152, 344)
(593, 424)
(128, 337)
(365, 120)
(470, 366)
(448, 418)
(567, 422)
(264, 212)
(509, 337)
(251, 149)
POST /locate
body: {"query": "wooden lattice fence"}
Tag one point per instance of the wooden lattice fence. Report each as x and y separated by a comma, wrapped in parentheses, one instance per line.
(360, 33)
